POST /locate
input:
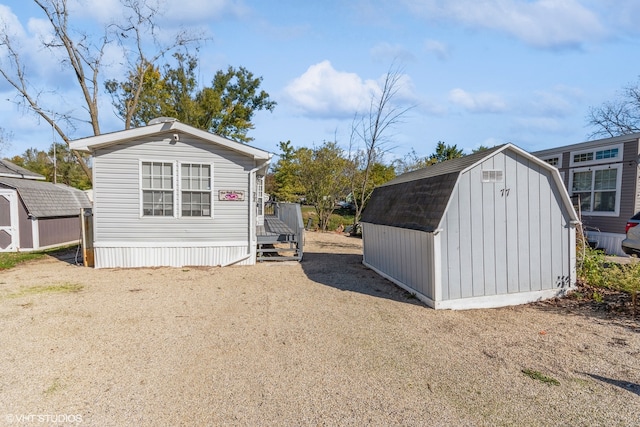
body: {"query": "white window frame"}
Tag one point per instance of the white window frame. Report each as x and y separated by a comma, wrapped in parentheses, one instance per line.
(210, 190)
(592, 169)
(142, 188)
(595, 161)
(177, 189)
(553, 156)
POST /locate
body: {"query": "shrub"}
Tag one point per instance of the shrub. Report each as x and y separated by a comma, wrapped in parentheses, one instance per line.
(591, 266)
(626, 278)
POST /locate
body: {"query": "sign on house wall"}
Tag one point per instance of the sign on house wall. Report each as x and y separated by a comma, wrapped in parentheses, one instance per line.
(231, 195)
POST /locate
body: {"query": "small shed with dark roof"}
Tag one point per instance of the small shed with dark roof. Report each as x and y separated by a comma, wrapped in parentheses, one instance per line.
(489, 229)
(35, 214)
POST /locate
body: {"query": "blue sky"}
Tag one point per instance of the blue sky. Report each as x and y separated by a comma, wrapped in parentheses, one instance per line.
(478, 72)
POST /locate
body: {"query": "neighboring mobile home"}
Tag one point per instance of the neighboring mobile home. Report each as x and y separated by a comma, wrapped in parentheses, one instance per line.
(602, 177)
(169, 194)
(490, 229)
(35, 214)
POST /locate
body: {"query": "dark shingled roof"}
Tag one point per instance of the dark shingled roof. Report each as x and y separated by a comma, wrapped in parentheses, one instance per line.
(10, 170)
(45, 199)
(417, 200)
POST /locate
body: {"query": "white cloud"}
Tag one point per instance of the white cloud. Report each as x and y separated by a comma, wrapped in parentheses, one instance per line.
(550, 103)
(10, 22)
(481, 102)
(540, 23)
(326, 92)
(439, 49)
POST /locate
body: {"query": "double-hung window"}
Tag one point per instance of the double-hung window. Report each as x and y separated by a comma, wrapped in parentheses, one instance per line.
(195, 189)
(598, 189)
(157, 189)
(173, 189)
(596, 177)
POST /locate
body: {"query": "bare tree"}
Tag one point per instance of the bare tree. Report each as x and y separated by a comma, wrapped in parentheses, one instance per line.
(83, 55)
(4, 140)
(618, 117)
(370, 137)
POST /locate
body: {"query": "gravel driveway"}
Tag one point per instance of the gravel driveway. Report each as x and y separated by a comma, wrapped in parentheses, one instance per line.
(321, 342)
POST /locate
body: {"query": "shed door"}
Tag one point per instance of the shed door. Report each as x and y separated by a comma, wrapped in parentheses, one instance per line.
(8, 220)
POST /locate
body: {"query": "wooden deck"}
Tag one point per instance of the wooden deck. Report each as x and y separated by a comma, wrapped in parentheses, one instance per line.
(274, 230)
(281, 237)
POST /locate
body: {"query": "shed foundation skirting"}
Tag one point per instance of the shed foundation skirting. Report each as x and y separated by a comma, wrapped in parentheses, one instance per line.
(489, 301)
(172, 256)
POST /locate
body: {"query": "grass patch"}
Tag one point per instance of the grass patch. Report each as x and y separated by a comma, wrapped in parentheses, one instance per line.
(37, 290)
(535, 375)
(11, 259)
(338, 217)
(53, 387)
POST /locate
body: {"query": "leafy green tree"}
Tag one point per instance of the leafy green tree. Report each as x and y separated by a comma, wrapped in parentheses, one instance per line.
(225, 108)
(286, 186)
(480, 149)
(445, 152)
(65, 169)
(141, 98)
(322, 173)
(367, 179)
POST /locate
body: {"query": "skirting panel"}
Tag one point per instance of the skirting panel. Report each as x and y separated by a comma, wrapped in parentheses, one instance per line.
(611, 243)
(132, 257)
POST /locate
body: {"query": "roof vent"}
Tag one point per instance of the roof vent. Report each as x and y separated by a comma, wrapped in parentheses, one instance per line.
(161, 120)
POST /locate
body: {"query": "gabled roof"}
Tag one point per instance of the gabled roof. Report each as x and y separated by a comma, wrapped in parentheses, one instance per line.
(45, 199)
(167, 126)
(418, 200)
(8, 169)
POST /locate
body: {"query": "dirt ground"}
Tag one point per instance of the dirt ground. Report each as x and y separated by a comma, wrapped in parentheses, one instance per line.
(321, 342)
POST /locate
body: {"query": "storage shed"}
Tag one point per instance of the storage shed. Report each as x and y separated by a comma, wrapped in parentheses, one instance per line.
(489, 229)
(35, 214)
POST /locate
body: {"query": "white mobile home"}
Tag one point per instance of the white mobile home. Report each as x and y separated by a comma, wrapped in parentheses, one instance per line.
(490, 229)
(169, 194)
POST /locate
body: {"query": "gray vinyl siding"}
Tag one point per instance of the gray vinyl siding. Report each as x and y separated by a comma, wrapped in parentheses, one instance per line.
(117, 193)
(630, 186)
(405, 255)
(496, 243)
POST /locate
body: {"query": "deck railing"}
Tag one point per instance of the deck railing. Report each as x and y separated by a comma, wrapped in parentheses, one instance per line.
(290, 214)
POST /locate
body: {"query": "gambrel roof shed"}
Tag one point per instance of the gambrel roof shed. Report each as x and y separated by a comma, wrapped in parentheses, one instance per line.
(489, 229)
(47, 200)
(35, 214)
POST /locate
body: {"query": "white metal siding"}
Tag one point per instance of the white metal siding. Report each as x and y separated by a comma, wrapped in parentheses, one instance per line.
(405, 256)
(117, 193)
(132, 257)
(505, 238)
